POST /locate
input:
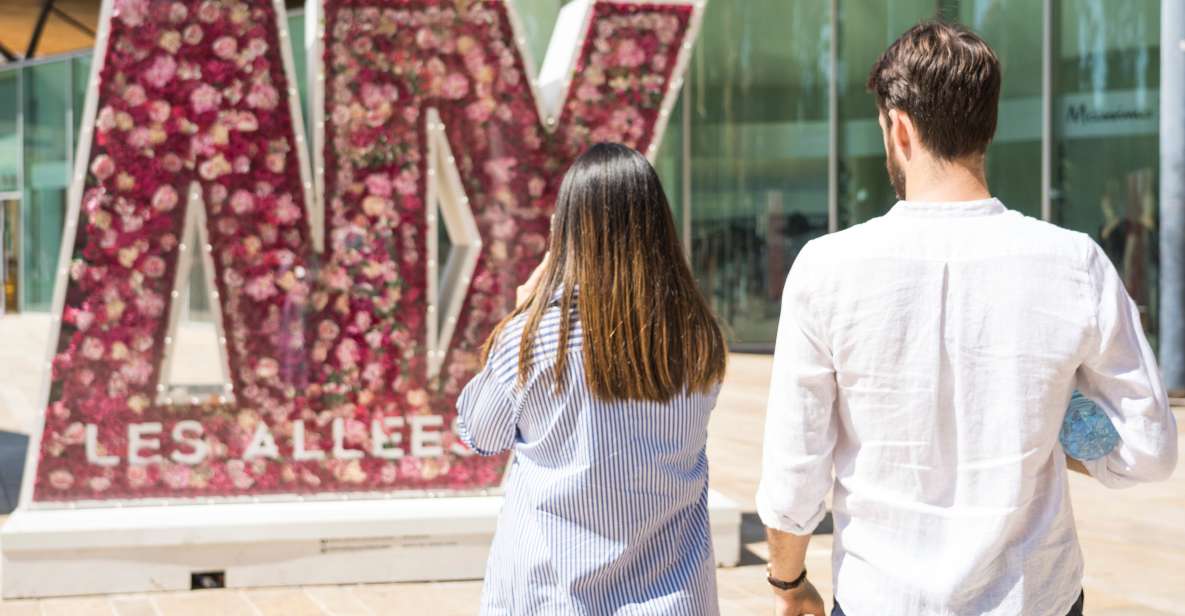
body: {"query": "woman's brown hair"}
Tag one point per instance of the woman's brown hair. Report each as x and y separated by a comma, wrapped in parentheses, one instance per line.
(648, 333)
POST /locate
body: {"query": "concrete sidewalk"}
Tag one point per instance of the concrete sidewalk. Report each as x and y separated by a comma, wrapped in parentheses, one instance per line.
(1133, 540)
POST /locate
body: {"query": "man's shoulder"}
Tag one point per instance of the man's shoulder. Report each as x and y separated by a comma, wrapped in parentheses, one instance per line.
(1023, 231)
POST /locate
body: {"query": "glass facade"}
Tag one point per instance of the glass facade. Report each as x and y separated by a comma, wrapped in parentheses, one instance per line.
(1106, 163)
(774, 140)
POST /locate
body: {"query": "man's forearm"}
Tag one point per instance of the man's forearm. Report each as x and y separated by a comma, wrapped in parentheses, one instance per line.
(787, 554)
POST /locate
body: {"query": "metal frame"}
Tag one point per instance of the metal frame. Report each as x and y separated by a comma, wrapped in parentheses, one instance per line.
(833, 123)
(1047, 110)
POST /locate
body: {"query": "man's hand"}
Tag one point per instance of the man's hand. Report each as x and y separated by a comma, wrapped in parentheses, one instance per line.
(524, 292)
(799, 601)
(787, 559)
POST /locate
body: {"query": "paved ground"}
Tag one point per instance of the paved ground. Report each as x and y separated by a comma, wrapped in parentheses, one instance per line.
(1134, 540)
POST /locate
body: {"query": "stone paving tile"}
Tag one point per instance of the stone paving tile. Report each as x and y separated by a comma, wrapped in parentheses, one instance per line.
(338, 601)
(205, 603)
(20, 608)
(283, 602)
(74, 606)
(134, 606)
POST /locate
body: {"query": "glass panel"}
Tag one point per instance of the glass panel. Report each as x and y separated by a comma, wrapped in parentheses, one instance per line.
(48, 94)
(669, 164)
(10, 147)
(1106, 143)
(759, 144)
(867, 27)
(300, 64)
(1014, 29)
(81, 78)
(10, 259)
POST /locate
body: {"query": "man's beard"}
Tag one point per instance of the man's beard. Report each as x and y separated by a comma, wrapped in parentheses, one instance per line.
(896, 173)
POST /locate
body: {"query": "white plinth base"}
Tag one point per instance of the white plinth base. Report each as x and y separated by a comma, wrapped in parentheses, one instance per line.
(138, 549)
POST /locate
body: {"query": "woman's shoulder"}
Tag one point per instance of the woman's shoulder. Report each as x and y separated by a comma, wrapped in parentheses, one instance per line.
(544, 344)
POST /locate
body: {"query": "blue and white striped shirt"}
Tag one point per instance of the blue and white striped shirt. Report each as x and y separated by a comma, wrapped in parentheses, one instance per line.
(606, 503)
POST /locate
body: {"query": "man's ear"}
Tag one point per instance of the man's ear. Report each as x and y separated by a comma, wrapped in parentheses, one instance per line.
(903, 132)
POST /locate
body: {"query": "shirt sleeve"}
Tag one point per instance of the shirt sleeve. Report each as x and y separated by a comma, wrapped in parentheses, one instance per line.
(489, 406)
(800, 422)
(1120, 374)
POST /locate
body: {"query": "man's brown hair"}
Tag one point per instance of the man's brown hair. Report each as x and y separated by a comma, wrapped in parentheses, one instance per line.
(947, 79)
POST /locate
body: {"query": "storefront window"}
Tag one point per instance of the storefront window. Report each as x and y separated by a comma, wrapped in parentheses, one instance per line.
(1014, 30)
(866, 28)
(1106, 143)
(48, 95)
(10, 146)
(758, 101)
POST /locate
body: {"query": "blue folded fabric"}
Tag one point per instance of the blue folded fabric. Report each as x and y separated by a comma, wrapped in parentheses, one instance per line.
(1087, 433)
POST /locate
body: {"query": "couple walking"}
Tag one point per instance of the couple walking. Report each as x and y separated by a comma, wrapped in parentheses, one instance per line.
(923, 365)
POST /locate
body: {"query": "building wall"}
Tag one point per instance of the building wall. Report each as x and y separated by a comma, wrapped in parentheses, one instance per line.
(775, 141)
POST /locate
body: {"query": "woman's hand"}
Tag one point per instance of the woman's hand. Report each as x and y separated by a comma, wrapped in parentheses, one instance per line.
(528, 287)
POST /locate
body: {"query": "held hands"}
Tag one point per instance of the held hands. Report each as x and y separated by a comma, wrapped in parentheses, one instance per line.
(799, 601)
(524, 292)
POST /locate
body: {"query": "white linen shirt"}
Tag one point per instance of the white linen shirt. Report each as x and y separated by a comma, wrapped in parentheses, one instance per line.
(927, 357)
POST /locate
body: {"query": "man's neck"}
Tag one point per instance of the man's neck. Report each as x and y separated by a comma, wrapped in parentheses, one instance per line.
(946, 182)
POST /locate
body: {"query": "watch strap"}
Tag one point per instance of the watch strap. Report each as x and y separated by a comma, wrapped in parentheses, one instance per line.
(782, 584)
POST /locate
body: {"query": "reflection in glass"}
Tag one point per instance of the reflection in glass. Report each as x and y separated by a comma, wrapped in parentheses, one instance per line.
(10, 146)
(759, 145)
(48, 97)
(867, 27)
(1106, 143)
(1014, 29)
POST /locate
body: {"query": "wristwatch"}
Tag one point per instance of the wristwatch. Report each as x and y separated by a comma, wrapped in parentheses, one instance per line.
(782, 584)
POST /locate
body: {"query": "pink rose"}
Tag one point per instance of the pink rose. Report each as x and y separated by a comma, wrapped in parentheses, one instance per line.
(242, 202)
(131, 12)
(455, 86)
(106, 120)
(92, 349)
(61, 479)
(159, 111)
(328, 330)
(261, 287)
(205, 98)
(135, 95)
(100, 483)
(481, 110)
(161, 72)
(209, 11)
(154, 267)
(417, 397)
(75, 434)
(226, 47)
(535, 186)
(263, 96)
(137, 476)
(348, 353)
(165, 198)
(379, 184)
(630, 54)
(192, 34)
(500, 170)
(137, 371)
(267, 368)
(178, 12)
(286, 210)
(103, 167)
(406, 183)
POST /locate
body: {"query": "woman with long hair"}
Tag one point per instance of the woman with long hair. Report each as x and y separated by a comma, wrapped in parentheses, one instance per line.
(601, 380)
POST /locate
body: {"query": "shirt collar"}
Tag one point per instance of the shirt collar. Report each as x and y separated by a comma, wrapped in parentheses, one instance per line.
(948, 209)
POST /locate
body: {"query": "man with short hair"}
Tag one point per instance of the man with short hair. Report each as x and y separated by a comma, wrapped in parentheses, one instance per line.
(928, 356)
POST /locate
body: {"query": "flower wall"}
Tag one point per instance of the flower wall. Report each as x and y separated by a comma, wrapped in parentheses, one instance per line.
(326, 352)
